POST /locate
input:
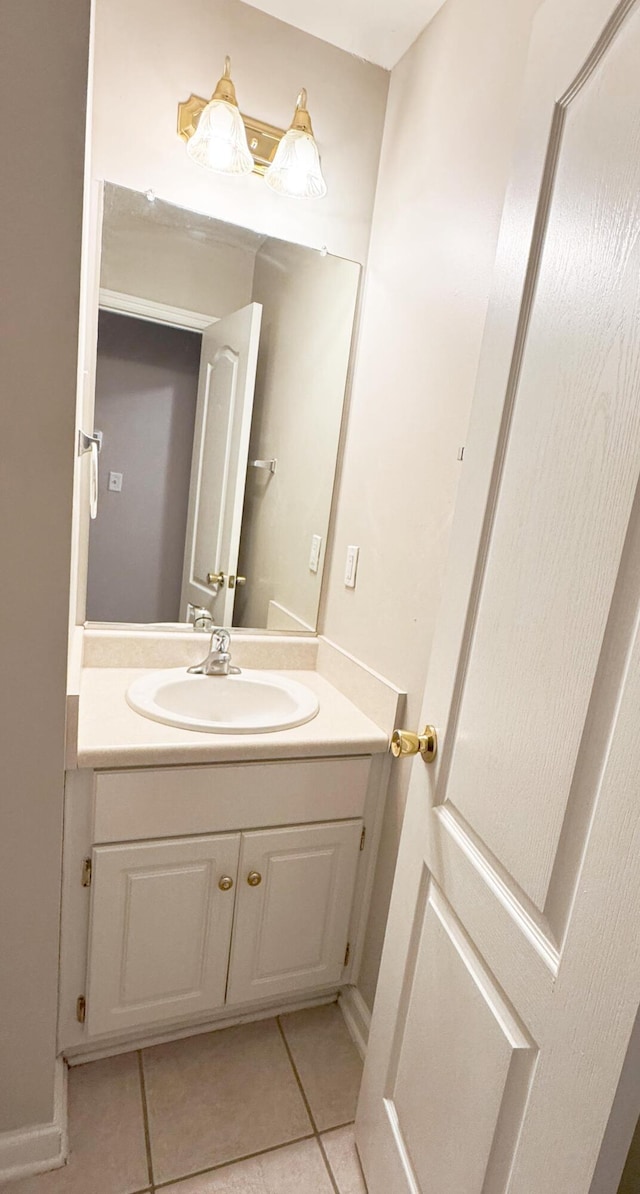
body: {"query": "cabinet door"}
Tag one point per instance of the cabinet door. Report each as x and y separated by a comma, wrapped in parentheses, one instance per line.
(160, 930)
(290, 929)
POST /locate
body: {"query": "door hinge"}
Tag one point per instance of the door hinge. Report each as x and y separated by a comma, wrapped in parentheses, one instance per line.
(362, 838)
(81, 1009)
(86, 872)
(346, 954)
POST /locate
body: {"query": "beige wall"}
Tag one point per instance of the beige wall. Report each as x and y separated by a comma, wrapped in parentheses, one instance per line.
(453, 103)
(307, 319)
(159, 252)
(152, 53)
(43, 77)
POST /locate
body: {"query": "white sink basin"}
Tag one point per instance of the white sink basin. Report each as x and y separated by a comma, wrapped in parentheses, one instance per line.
(253, 702)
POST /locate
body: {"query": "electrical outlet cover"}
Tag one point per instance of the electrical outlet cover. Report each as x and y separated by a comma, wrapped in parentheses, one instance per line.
(351, 567)
(314, 555)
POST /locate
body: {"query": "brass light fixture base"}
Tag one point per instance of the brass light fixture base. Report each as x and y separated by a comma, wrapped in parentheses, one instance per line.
(301, 118)
(263, 138)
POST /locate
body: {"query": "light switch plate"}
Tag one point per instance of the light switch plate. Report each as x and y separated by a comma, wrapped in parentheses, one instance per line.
(314, 556)
(351, 567)
(115, 482)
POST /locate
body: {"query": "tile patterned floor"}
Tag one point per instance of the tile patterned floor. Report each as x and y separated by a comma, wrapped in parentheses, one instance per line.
(264, 1108)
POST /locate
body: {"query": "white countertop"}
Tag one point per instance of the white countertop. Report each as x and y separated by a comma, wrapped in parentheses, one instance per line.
(110, 734)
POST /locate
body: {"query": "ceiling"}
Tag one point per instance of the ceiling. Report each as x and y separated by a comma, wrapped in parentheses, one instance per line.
(378, 30)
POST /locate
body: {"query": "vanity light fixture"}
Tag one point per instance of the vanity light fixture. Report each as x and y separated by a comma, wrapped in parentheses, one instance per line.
(219, 137)
(295, 170)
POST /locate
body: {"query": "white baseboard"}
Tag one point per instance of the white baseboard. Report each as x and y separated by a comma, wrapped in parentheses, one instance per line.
(35, 1149)
(357, 1017)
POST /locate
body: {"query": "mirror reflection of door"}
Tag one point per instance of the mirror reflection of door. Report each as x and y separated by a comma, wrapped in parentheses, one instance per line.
(219, 464)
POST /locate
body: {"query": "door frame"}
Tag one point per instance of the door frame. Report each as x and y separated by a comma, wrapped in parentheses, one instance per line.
(154, 312)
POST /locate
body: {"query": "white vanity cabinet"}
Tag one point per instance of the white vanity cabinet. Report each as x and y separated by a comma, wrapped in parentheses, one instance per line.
(196, 894)
(162, 921)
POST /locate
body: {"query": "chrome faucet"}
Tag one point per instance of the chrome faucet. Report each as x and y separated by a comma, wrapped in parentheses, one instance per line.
(200, 616)
(218, 661)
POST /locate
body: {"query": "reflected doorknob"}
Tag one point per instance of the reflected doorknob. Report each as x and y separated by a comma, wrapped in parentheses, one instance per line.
(404, 742)
(215, 578)
(236, 580)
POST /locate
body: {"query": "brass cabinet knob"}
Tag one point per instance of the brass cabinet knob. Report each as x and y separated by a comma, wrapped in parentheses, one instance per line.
(254, 878)
(225, 883)
(404, 742)
(215, 578)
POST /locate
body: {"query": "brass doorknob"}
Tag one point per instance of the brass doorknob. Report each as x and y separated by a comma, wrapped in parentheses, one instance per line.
(236, 580)
(215, 578)
(254, 878)
(404, 742)
(225, 883)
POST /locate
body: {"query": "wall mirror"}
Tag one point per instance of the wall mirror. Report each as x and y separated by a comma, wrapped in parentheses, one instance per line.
(220, 382)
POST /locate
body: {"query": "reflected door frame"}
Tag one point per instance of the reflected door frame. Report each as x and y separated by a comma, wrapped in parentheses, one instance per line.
(142, 308)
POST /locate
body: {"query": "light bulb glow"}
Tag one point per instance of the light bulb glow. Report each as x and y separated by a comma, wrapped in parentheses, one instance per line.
(220, 140)
(295, 170)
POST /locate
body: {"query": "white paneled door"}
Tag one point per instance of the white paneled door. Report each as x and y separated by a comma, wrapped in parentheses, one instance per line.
(226, 387)
(510, 978)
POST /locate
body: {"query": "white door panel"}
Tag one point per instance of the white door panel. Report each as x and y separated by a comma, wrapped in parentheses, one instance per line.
(160, 930)
(510, 978)
(460, 1034)
(574, 446)
(219, 465)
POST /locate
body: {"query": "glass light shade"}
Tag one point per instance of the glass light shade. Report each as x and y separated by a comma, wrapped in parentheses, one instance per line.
(220, 140)
(295, 170)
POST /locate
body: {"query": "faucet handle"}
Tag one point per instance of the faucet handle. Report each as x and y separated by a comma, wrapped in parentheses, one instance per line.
(222, 639)
(200, 616)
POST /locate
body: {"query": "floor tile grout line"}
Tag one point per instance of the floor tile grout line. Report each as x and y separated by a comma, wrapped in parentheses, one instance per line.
(145, 1118)
(348, 1123)
(306, 1103)
(327, 1163)
(364, 1180)
(297, 1076)
(316, 1132)
(273, 1148)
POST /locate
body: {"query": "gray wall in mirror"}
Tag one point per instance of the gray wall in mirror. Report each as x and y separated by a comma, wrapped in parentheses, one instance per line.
(146, 384)
(157, 257)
